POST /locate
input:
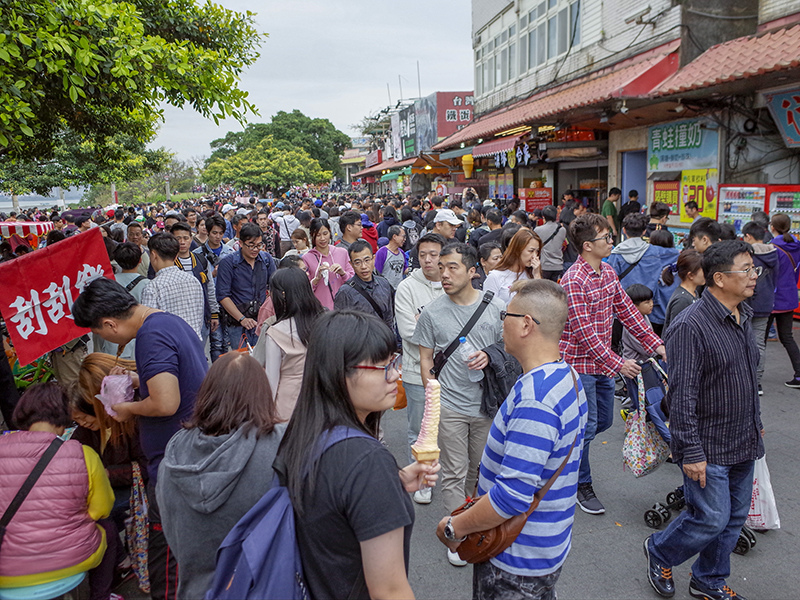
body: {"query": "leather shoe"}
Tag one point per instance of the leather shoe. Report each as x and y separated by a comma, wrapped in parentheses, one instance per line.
(660, 577)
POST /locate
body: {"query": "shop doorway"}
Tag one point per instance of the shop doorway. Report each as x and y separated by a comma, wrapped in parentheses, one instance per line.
(634, 175)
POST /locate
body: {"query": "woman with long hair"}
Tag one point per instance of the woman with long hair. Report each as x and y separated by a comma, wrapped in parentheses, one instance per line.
(217, 467)
(353, 513)
(489, 256)
(285, 341)
(689, 270)
(786, 290)
(520, 261)
(328, 266)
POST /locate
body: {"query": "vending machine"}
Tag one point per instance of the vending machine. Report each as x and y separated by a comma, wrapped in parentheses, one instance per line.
(785, 199)
(738, 202)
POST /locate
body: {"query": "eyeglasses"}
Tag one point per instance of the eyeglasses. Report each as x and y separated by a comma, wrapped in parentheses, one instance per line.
(607, 237)
(362, 261)
(749, 271)
(504, 314)
(387, 369)
(254, 246)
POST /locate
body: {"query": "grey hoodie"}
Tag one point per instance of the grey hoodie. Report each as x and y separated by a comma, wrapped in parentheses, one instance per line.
(205, 485)
(632, 249)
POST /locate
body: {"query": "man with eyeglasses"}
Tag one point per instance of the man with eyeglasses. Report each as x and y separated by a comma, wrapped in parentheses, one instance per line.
(242, 282)
(595, 297)
(366, 291)
(715, 422)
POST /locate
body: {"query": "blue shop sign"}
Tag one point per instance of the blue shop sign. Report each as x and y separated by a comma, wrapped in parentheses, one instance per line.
(785, 109)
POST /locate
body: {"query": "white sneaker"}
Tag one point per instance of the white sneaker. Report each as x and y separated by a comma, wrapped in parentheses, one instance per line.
(455, 559)
(423, 496)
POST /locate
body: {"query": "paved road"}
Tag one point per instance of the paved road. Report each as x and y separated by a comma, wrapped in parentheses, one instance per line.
(606, 559)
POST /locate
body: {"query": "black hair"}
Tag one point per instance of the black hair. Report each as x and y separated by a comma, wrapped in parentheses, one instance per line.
(521, 215)
(615, 191)
(249, 231)
(705, 227)
(639, 293)
(390, 210)
(350, 217)
(509, 231)
(315, 227)
(761, 218)
(128, 255)
(691, 204)
(102, 298)
(663, 238)
(728, 231)
(720, 257)
(135, 224)
(292, 296)
(119, 214)
(659, 210)
(469, 256)
(432, 238)
(586, 228)
(237, 218)
(179, 226)
(633, 194)
(754, 230)
(405, 214)
(635, 224)
(215, 220)
(485, 249)
(165, 245)
(339, 341)
(54, 236)
(289, 261)
(494, 216)
(782, 224)
(550, 213)
(359, 246)
(689, 261)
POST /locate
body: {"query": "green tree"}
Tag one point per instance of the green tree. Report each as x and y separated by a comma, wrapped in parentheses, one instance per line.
(97, 69)
(182, 176)
(272, 165)
(318, 137)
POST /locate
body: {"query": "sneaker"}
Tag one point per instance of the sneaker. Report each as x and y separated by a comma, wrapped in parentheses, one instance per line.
(115, 597)
(760, 390)
(794, 383)
(423, 496)
(588, 501)
(698, 590)
(659, 577)
(455, 559)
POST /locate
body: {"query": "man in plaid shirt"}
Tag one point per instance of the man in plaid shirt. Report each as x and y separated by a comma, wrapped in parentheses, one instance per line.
(595, 296)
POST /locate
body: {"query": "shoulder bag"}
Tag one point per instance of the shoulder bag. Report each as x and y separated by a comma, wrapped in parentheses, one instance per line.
(552, 235)
(27, 486)
(483, 545)
(441, 357)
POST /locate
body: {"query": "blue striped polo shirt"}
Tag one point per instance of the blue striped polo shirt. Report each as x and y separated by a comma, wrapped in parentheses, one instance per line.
(530, 437)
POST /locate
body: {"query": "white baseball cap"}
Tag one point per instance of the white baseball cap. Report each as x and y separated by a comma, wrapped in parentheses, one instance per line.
(226, 208)
(447, 215)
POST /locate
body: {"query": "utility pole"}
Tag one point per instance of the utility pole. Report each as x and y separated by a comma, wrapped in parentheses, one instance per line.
(388, 91)
(400, 82)
(166, 182)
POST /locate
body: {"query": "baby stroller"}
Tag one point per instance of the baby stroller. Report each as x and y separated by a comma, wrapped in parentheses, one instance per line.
(654, 376)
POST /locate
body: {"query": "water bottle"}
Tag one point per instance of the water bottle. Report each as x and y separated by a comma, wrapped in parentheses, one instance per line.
(468, 350)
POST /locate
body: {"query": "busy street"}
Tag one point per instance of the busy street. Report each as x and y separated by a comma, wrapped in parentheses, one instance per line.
(520, 325)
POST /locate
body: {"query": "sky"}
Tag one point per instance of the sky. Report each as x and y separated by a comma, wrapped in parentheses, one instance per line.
(333, 58)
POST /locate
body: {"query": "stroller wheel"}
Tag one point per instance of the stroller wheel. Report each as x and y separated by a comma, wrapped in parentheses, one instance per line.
(663, 511)
(675, 500)
(747, 532)
(652, 519)
(743, 545)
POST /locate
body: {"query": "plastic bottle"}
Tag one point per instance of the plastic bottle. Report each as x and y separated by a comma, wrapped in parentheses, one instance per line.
(466, 349)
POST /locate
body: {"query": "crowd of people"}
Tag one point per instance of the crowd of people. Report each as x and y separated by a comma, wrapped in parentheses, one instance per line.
(251, 327)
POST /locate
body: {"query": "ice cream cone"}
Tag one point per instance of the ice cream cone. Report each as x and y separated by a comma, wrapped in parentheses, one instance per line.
(425, 456)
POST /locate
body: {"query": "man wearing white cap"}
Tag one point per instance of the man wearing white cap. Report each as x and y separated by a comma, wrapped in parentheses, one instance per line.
(445, 223)
(228, 211)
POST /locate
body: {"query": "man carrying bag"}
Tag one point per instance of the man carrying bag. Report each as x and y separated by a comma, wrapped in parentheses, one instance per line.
(547, 405)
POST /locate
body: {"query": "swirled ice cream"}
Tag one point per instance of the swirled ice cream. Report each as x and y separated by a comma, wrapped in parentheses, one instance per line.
(426, 448)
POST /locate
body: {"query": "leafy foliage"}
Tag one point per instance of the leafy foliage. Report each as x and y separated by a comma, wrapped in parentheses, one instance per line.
(318, 137)
(182, 176)
(270, 165)
(96, 69)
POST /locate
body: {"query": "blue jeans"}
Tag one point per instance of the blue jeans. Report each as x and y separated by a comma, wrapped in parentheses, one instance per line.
(415, 399)
(600, 402)
(219, 342)
(710, 525)
(235, 336)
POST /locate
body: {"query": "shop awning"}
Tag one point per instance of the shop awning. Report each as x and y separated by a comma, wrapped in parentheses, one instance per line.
(499, 145)
(396, 174)
(632, 78)
(457, 153)
(737, 59)
(387, 164)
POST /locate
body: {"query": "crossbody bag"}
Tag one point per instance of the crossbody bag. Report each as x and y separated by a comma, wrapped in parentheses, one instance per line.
(440, 359)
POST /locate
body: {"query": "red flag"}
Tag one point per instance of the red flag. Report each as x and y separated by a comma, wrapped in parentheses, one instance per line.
(37, 291)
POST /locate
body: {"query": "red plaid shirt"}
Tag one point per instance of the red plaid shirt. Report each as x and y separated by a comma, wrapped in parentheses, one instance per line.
(594, 299)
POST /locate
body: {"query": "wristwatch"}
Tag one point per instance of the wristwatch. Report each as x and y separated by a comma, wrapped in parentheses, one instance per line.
(450, 533)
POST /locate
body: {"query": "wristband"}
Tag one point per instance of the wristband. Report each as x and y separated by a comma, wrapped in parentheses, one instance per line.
(241, 319)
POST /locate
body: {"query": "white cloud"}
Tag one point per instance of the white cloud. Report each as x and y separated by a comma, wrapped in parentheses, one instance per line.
(333, 59)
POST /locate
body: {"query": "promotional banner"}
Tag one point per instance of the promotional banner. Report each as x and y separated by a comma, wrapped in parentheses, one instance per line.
(39, 288)
(701, 186)
(534, 198)
(668, 192)
(785, 109)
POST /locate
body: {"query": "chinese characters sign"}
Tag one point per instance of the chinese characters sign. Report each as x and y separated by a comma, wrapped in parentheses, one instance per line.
(785, 109)
(534, 198)
(668, 193)
(39, 288)
(681, 146)
(701, 186)
(454, 110)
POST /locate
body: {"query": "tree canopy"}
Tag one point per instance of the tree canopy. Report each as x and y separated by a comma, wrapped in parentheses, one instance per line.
(318, 137)
(150, 188)
(97, 69)
(269, 165)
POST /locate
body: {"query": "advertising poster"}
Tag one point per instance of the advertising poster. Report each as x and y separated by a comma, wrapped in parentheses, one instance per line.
(533, 198)
(701, 186)
(682, 146)
(668, 192)
(493, 185)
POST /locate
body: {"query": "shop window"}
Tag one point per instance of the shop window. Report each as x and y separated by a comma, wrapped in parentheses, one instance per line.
(523, 21)
(512, 61)
(532, 48)
(512, 31)
(541, 44)
(541, 9)
(523, 53)
(552, 39)
(501, 64)
(563, 29)
(490, 82)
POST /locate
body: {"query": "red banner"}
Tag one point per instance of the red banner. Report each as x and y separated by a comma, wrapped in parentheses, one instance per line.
(536, 197)
(39, 288)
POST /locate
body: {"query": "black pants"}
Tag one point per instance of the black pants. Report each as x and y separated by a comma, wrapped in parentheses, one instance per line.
(784, 321)
(8, 392)
(160, 561)
(551, 275)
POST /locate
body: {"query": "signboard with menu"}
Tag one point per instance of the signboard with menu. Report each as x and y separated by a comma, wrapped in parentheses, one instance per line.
(667, 192)
(701, 186)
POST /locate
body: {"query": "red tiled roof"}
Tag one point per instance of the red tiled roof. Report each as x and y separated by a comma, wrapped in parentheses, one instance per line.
(627, 79)
(387, 164)
(737, 59)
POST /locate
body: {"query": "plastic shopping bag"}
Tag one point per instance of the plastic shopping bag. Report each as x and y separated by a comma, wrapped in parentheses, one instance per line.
(763, 510)
(643, 449)
(115, 389)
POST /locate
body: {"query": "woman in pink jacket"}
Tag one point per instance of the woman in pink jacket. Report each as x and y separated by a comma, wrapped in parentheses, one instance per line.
(328, 266)
(54, 538)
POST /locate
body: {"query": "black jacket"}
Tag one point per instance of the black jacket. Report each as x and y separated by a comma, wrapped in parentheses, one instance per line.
(499, 377)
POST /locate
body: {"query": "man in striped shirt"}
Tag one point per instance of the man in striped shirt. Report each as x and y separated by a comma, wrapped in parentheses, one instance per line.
(539, 426)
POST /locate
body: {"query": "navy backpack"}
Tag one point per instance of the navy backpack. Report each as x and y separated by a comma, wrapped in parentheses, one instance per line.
(259, 558)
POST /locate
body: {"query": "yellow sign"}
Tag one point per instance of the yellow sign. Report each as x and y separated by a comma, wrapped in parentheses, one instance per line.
(700, 185)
